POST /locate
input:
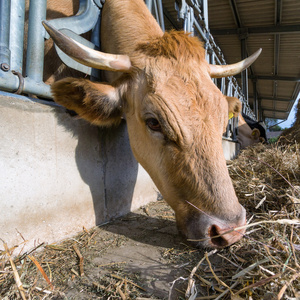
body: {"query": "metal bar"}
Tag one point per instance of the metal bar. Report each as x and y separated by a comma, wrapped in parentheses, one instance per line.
(255, 103)
(275, 99)
(277, 124)
(276, 53)
(235, 13)
(277, 29)
(161, 14)
(273, 77)
(10, 83)
(244, 74)
(35, 44)
(85, 19)
(260, 110)
(170, 19)
(276, 110)
(17, 19)
(149, 4)
(4, 34)
(205, 12)
(201, 32)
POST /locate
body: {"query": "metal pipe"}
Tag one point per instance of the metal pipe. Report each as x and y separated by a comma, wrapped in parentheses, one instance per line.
(95, 39)
(17, 19)
(11, 83)
(244, 74)
(4, 34)
(149, 4)
(35, 44)
(255, 103)
(205, 13)
(85, 19)
(161, 14)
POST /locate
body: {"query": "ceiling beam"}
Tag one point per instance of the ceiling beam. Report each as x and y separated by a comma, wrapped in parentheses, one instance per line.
(272, 77)
(276, 48)
(235, 13)
(274, 99)
(276, 29)
(277, 99)
(274, 110)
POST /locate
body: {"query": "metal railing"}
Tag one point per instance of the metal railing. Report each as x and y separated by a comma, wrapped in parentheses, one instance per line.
(12, 20)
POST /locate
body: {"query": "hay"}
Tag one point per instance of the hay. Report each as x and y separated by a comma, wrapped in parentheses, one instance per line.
(265, 264)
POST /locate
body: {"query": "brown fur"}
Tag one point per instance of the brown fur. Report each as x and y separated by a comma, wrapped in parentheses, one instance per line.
(234, 105)
(92, 101)
(173, 45)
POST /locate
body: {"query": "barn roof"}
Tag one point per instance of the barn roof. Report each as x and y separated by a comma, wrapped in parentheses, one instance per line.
(274, 26)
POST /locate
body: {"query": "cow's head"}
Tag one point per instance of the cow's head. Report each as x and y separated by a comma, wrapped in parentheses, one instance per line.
(246, 135)
(175, 117)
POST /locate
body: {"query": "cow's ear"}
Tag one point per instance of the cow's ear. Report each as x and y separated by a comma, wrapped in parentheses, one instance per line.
(234, 106)
(98, 103)
(255, 134)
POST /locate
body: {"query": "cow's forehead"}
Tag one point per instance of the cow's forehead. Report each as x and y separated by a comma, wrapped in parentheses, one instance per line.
(189, 89)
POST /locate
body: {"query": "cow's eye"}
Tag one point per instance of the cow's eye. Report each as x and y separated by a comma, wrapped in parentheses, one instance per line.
(153, 124)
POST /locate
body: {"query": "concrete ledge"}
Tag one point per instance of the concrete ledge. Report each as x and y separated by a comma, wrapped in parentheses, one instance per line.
(59, 174)
(230, 149)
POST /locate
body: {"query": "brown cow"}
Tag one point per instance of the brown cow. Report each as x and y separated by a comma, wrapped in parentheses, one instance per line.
(175, 114)
(246, 136)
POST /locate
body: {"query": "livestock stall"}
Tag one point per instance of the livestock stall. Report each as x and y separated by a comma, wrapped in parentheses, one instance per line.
(59, 173)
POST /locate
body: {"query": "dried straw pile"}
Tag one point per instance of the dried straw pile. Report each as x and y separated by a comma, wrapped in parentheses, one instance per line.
(266, 263)
(267, 181)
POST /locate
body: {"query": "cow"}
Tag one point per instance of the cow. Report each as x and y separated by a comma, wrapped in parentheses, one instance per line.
(161, 84)
(250, 132)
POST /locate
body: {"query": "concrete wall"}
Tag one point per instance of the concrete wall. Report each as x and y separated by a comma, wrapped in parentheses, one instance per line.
(58, 174)
(230, 149)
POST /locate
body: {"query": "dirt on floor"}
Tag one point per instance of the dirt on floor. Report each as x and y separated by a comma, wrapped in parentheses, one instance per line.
(139, 255)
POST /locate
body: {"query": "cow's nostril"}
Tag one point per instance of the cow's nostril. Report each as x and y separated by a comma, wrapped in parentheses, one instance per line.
(217, 239)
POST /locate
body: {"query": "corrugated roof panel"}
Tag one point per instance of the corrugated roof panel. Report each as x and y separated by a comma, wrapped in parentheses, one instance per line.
(265, 88)
(285, 89)
(230, 47)
(262, 14)
(265, 63)
(289, 60)
(267, 104)
(290, 12)
(281, 105)
(220, 14)
(275, 115)
(256, 13)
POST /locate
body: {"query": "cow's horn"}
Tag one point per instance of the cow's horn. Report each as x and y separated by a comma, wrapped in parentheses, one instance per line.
(86, 55)
(218, 71)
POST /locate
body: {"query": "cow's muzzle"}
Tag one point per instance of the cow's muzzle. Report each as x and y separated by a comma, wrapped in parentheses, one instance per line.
(203, 230)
